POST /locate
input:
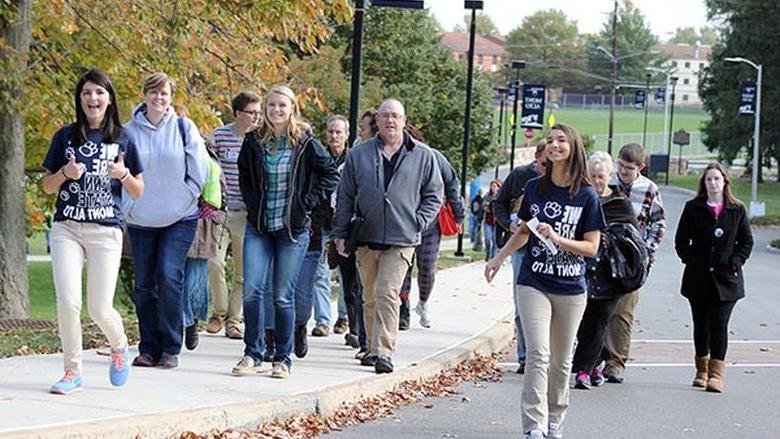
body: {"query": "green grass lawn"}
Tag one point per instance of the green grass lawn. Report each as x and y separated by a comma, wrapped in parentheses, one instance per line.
(596, 122)
(768, 192)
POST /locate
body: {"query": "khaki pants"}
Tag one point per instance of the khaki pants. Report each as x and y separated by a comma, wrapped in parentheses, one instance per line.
(550, 323)
(227, 305)
(382, 274)
(71, 242)
(618, 339)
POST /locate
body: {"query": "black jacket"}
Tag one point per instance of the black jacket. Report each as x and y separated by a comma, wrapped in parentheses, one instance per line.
(314, 177)
(509, 196)
(709, 257)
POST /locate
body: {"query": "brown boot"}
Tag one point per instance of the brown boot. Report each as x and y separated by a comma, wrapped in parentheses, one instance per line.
(701, 372)
(715, 375)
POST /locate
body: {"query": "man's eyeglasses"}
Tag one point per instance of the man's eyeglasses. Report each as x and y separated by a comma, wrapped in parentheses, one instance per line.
(251, 113)
(627, 167)
(388, 116)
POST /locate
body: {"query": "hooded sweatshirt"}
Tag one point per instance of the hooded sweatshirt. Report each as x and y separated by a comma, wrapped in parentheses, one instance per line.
(174, 173)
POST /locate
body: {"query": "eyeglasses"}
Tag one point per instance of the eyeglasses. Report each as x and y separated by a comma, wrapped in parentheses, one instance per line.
(388, 116)
(627, 167)
(251, 113)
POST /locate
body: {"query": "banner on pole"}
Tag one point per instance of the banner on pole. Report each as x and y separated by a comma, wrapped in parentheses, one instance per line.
(660, 95)
(533, 106)
(639, 99)
(747, 98)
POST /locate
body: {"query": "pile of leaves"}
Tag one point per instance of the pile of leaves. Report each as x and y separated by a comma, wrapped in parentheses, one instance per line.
(477, 370)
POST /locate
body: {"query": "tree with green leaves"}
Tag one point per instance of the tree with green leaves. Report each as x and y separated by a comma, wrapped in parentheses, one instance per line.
(485, 25)
(551, 45)
(635, 46)
(688, 35)
(750, 32)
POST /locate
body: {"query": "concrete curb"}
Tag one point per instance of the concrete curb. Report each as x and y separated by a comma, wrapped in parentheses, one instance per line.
(774, 250)
(324, 400)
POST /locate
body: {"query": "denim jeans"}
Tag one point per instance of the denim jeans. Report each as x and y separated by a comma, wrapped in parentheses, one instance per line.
(264, 252)
(490, 240)
(320, 288)
(517, 261)
(196, 291)
(304, 288)
(159, 256)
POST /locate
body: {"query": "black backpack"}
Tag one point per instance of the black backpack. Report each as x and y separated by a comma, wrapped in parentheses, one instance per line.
(622, 263)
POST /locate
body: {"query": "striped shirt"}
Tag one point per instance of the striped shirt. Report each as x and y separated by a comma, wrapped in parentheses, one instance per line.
(645, 198)
(227, 145)
(277, 167)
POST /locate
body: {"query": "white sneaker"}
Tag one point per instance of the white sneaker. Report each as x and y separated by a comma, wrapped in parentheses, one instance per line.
(425, 317)
(280, 370)
(535, 434)
(555, 431)
(247, 366)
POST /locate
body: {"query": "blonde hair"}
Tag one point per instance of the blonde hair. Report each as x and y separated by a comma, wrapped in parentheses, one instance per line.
(157, 80)
(601, 160)
(296, 126)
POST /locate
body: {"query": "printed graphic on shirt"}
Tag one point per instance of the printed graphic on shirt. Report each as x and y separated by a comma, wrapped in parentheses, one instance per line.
(564, 220)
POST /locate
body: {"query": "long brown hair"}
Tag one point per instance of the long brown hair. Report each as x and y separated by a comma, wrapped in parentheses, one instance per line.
(577, 167)
(728, 196)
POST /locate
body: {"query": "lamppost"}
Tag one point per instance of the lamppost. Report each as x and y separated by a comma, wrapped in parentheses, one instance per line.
(473, 5)
(502, 92)
(756, 207)
(673, 81)
(647, 97)
(515, 85)
(666, 97)
(357, 53)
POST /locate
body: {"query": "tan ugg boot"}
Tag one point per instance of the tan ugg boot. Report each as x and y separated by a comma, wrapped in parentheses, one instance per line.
(715, 375)
(701, 372)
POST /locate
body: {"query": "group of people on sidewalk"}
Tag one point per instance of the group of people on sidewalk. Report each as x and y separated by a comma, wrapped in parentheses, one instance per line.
(583, 240)
(289, 208)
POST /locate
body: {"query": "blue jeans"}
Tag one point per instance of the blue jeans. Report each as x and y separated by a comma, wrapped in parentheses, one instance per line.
(490, 240)
(306, 289)
(517, 261)
(196, 291)
(264, 252)
(159, 256)
(320, 289)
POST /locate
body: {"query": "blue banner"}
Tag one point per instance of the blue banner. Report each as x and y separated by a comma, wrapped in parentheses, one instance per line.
(660, 95)
(533, 106)
(639, 99)
(747, 98)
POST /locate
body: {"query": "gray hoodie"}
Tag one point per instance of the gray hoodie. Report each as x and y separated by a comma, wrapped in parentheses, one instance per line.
(173, 174)
(398, 215)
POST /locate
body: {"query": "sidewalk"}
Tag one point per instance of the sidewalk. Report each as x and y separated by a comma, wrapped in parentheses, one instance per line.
(468, 316)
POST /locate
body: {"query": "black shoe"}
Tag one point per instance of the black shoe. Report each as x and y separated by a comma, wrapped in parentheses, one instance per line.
(191, 336)
(361, 353)
(351, 340)
(168, 361)
(403, 317)
(383, 365)
(300, 344)
(144, 360)
(270, 346)
(613, 376)
(521, 368)
(368, 360)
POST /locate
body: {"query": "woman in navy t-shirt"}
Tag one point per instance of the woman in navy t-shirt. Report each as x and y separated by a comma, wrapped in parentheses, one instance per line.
(87, 166)
(561, 221)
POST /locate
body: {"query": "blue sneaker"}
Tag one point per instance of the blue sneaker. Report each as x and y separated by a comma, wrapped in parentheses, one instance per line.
(68, 384)
(119, 369)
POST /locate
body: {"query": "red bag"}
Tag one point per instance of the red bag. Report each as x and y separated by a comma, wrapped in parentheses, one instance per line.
(447, 223)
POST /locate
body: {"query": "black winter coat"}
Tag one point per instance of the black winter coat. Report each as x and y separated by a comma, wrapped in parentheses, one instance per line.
(713, 251)
(314, 177)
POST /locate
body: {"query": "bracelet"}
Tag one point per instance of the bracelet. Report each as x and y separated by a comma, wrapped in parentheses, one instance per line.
(124, 177)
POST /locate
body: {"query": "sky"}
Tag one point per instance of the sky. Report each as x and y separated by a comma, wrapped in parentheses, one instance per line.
(664, 16)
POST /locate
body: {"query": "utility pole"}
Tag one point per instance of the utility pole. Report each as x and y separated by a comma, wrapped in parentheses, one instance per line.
(647, 104)
(612, 80)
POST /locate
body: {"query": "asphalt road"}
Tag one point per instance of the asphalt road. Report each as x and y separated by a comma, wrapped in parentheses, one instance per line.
(656, 401)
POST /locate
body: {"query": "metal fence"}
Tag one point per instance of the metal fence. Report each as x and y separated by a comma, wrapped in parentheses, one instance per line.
(656, 143)
(601, 102)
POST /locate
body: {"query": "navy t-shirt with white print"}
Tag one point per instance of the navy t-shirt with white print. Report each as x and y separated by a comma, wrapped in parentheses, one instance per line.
(571, 218)
(95, 197)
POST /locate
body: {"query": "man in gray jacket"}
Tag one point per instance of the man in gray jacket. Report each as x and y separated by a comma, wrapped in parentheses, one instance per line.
(390, 191)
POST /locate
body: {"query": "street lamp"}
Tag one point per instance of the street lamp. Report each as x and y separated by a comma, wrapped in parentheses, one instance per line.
(473, 5)
(517, 65)
(502, 93)
(756, 207)
(647, 96)
(673, 80)
(666, 97)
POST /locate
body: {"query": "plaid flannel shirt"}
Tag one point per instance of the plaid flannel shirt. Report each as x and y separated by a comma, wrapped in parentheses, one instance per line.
(645, 198)
(277, 167)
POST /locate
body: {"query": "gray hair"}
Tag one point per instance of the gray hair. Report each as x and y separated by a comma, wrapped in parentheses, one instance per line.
(601, 160)
(338, 117)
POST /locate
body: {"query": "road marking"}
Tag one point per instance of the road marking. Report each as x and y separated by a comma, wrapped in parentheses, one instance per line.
(690, 364)
(691, 341)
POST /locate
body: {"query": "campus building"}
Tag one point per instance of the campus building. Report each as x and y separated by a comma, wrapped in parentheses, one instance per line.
(489, 53)
(686, 61)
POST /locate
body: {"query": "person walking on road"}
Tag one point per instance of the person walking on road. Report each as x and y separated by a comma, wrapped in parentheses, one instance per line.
(714, 241)
(645, 198)
(392, 186)
(226, 142)
(505, 210)
(603, 290)
(561, 221)
(490, 220)
(284, 173)
(88, 165)
(162, 223)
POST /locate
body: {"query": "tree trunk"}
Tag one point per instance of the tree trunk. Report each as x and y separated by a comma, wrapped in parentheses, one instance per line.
(15, 33)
